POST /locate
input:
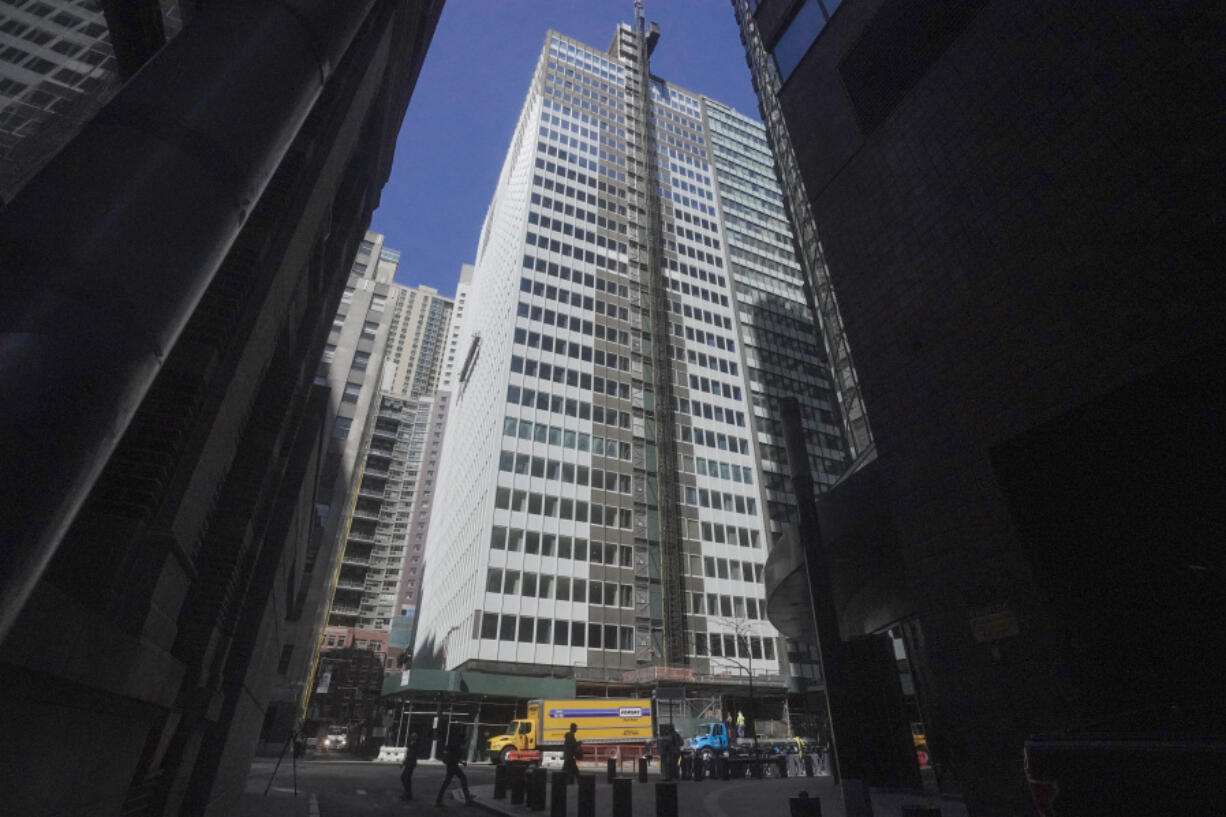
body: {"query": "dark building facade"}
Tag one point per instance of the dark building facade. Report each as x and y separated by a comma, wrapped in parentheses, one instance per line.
(170, 280)
(1020, 213)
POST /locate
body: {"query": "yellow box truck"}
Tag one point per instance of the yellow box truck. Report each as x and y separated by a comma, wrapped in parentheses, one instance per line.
(599, 721)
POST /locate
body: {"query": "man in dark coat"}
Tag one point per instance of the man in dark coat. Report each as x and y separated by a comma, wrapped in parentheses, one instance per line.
(451, 760)
(410, 763)
(570, 765)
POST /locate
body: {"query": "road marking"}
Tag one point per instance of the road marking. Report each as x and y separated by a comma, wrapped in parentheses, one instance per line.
(361, 791)
(313, 806)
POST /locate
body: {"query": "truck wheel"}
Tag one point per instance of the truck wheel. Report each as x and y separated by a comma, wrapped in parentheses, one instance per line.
(505, 755)
(707, 757)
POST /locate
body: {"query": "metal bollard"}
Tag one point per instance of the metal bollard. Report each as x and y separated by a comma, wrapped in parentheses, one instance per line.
(666, 800)
(804, 806)
(517, 785)
(642, 770)
(537, 783)
(502, 777)
(622, 797)
(687, 766)
(725, 769)
(557, 795)
(612, 771)
(782, 763)
(587, 796)
(756, 769)
(698, 768)
(808, 765)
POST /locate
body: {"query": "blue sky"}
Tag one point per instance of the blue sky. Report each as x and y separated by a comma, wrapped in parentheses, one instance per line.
(459, 123)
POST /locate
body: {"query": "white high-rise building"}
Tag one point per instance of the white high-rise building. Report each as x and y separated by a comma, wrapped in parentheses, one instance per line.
(601, 508)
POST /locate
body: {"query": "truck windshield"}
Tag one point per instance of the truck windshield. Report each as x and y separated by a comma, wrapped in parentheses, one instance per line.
(511, 728)
(705, 729)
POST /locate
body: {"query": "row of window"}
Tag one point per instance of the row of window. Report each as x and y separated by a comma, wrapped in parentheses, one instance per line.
(582, 161)
(707, 338)
(555, 245)
(709, 361)
(712, 386)
(700, 314)
(581, 146)
(529, 465)
(604, 170)
(556, 404)
(562, 588)
(562, 633)
(724, 606)
(686, 288)
(720, 500)
(698, 408)
(571, 377)
(566, 438)
(536, 543)
(564, 508)
(559, 91)
(577, 351)
(721, 470)
(595, 134)
(712, 439)
(727, 645)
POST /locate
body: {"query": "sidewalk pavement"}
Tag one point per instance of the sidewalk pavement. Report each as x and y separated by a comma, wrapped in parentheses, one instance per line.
(732, 798)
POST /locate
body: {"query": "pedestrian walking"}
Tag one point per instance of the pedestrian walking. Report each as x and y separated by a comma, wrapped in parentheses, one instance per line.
(740, 724)
(571, 750)
(407, 768)
(451, 760)
(670, 751)
(728, 726)
(800, 755)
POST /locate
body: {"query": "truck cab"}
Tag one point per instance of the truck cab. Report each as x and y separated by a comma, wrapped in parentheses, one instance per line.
(712, 738)
(518, 736)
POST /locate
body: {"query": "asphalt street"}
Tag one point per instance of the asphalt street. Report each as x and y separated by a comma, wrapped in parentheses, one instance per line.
(349, 788)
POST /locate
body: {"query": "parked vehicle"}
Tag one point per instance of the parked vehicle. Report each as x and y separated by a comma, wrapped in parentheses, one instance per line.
(599, 721)
(712, 739)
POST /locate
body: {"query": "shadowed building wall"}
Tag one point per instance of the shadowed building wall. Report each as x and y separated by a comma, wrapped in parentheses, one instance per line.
(138, 671)
(1021, 216)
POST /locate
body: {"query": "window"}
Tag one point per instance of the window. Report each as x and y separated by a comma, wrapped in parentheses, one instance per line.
(360, 360)
(370, 329)
(489, 625)
(352, 390)
(507, 630)
(493, 580)
(526, 627)
(340, 429)
(378, 302)
(799, 34)
(329, 353)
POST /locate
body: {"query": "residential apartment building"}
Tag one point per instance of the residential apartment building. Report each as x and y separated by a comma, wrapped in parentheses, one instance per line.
(415, 350)
(391, 451)
(604, 508)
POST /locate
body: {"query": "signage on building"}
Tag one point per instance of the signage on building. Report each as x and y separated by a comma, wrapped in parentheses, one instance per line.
(995, 625)
(325, 681)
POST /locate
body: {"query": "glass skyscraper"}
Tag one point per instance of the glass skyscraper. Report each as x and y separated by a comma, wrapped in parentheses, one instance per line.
(612, 473)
